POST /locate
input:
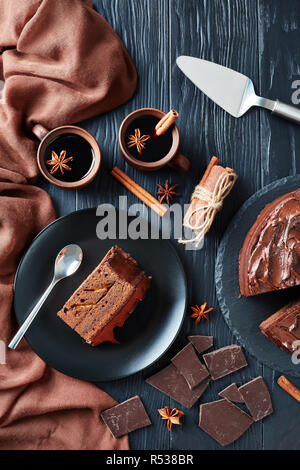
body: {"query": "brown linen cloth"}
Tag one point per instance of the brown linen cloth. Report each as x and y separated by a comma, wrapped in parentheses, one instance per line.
(61, 62)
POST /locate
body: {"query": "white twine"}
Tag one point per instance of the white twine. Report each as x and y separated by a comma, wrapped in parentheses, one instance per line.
(213, 204)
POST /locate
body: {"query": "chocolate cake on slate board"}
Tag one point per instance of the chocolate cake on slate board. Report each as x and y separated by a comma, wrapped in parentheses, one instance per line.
(106, 298)
(283, 327)
(269, 258)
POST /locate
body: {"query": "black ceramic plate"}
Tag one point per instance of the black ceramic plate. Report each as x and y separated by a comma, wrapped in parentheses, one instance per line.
(146, 334)
(244, 315)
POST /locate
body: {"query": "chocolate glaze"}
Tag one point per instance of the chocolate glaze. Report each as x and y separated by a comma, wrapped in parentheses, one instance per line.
(270, 256)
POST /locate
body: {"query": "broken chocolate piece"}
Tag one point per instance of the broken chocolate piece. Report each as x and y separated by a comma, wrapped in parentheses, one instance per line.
(257, 398)
(225, 361)
(202, 343)
(188, 364)
(126, 417)
(232, 393)
(173, 384)
(223, 421)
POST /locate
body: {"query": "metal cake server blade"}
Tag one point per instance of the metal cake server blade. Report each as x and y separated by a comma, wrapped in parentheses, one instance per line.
(231, 90)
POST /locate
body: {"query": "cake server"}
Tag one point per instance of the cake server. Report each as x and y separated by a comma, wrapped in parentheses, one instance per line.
(67, 262)
(231, 90)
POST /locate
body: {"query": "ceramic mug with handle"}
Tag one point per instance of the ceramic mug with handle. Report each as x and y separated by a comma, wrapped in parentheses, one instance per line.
(48, 137)
(172, 156)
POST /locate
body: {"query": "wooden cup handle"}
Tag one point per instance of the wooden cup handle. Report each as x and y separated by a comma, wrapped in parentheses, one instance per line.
(180, 162)
(40, 131)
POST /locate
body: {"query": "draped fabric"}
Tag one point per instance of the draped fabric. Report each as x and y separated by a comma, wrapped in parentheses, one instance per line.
(60, 63)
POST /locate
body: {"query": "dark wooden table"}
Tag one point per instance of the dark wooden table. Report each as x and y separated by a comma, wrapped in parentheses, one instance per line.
(259, 38)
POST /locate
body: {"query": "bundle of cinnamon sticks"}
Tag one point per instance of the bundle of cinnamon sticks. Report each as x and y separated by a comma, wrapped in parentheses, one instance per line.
(207, 200)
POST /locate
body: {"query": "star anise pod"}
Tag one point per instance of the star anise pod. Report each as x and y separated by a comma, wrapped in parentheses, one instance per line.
(172, 416)
(59, 162)
(137, 140)
(200, 313)
(166, 192)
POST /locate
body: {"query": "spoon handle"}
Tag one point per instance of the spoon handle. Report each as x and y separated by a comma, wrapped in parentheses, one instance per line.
(22, 330)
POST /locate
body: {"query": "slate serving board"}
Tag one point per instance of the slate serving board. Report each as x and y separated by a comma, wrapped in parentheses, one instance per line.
(243, 315)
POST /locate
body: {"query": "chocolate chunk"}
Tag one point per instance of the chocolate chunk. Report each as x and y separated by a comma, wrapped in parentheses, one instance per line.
(224, 361)
(223, 421)
(232, 393)
(173, 384)
(257, 398)
(126, 417)
(188, 364)
(202, 343)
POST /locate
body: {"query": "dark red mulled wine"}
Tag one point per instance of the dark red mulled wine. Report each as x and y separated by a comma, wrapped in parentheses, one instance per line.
(74, 152)
(155, 148)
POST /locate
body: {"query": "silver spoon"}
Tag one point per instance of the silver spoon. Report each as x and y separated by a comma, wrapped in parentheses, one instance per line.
(67, 262)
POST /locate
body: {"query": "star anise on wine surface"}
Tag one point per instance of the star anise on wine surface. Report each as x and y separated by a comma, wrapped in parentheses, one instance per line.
(166, 192)
(137, 140)
(171, 415)
(59, 162)
(200, 313)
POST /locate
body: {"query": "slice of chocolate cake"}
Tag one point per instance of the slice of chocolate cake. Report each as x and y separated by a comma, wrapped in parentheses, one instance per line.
(283, 327)
(270, 256)
(106, 298)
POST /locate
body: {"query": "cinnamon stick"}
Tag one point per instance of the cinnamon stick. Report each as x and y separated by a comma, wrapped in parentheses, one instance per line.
(214, 161)
(139, 191)
(286, 385)
(165, 123)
